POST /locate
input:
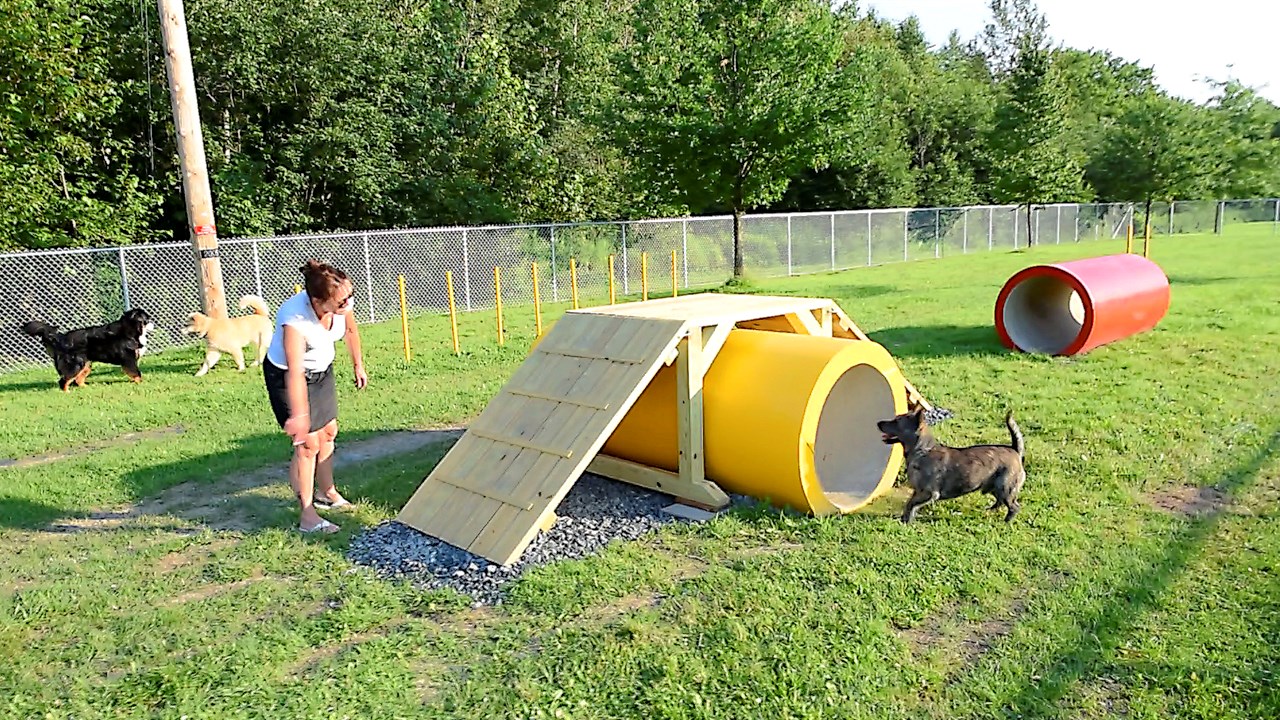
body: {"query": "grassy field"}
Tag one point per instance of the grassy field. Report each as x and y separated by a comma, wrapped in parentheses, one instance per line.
(1140, 580)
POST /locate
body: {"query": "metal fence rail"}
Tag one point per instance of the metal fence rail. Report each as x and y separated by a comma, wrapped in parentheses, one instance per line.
(74, 288)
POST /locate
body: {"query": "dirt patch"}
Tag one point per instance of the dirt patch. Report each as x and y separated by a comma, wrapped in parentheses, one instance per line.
(187, 557)
(1103, 698)
(1190, 500)
(686, 567)
(91, 447)
(211, 590)
(237, 502)
(312, 659)
(962, 643)
(958, 644)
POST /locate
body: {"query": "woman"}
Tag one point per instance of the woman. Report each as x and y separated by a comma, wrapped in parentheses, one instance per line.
(299, 378)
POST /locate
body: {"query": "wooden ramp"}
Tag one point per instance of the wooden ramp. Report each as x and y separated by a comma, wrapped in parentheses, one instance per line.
(501, 482)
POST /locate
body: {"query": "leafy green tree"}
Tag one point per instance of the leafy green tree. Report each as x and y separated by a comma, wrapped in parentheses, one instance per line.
(723, 102)
(1248, 154)
(1159, 148)
(1033, 160)
(65, 176)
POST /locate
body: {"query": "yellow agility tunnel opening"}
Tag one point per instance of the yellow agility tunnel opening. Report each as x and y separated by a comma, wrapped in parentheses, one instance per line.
(788, 418)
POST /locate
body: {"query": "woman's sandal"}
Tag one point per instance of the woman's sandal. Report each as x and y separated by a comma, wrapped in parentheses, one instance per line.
(324, 526)
(329, 505)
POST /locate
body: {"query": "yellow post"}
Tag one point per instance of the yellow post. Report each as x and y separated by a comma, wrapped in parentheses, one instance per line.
(1146, 243)
(675, 286)
(453, 311)
(404, 322)
(1128, 238)
(537, 304)
(573, 281)
(297, 289)
(644, 276)
(497, 295)
(613, 298)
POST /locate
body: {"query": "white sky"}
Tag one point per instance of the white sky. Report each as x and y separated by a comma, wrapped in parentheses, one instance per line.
(1182, 45)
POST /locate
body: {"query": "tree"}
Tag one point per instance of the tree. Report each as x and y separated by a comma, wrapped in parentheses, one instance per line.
(1249, 152)
(1157, 148)
(65, 175)
(724, 102)
(1032, 158)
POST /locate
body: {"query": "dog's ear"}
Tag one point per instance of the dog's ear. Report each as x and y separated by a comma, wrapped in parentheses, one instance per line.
(918, 416)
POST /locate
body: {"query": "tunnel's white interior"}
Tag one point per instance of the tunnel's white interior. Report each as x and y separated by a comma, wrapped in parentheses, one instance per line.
(1043, 315)
(847, 452)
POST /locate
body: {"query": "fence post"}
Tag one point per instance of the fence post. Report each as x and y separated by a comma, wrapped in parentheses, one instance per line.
(1219, 217)
(964, 240)
(937, 233)
(833, 241)
(466, 271)
(555, 277)
(257, 269)
(684, 245)
(1171, 204)
(368, 275)
(868, 238)
(991, 228)
(1057, 228)
(1015, 225)
(124, 279)
(906, 222)
(788, 245)
(1276, 222)
(626, 284)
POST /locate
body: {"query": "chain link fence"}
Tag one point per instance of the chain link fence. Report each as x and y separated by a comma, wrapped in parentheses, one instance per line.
(75, 288)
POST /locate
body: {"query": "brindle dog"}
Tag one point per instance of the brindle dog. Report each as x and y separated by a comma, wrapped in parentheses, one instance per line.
(937, 472)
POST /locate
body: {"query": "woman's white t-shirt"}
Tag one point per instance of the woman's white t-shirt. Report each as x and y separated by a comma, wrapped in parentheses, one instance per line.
(297, 312)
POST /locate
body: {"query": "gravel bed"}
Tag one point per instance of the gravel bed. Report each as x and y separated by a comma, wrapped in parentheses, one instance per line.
(594, 512)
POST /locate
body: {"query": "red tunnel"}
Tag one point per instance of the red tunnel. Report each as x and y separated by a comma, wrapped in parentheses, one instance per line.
(1073, 307)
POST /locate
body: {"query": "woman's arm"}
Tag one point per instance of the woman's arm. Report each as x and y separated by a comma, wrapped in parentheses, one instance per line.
(352, 338)
(299, 423)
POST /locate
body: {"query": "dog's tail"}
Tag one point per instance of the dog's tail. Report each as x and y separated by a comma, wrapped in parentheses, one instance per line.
(1014, 432)
(253, 301)
(43, 330)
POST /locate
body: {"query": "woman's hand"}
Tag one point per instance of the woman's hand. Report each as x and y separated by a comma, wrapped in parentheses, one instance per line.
(362, 378)
(298, 427)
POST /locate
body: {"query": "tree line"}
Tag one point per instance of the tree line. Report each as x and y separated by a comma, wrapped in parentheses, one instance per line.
(323, 115)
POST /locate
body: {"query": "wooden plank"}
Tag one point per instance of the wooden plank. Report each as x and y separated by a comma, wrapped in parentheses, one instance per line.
(509, 530)
(704, 494)
(689, 375)
(803, 323)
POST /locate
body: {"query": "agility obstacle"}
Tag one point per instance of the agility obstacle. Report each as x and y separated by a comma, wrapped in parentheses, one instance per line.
(772, 397)
(1073, 307)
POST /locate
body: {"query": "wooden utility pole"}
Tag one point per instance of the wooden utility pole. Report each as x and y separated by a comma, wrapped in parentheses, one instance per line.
(195, 174)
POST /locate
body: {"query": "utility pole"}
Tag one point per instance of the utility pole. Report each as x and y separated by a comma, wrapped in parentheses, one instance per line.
(195, 174)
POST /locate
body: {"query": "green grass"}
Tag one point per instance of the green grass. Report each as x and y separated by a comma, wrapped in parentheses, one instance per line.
(1093, 603)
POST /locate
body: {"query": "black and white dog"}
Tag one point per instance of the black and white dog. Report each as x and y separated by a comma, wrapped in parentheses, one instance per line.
(121, 343)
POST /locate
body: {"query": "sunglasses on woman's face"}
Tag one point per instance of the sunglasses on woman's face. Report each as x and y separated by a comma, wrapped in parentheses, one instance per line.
(347, 301)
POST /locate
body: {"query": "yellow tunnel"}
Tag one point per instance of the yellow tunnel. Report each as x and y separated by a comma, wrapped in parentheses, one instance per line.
(787, 418)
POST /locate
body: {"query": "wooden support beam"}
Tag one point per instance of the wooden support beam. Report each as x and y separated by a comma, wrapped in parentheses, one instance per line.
(704, 494)
(690, 370)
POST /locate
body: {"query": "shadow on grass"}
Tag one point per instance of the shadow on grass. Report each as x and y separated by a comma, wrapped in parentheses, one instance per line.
(245, 488)
(1101, 633)
(173, 362)
(938, 341)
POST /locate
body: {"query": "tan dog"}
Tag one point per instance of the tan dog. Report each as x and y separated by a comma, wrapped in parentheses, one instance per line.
(230, 335)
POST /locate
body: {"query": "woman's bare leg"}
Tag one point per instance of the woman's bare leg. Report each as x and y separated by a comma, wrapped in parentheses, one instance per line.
(302, 476)
(324, 463)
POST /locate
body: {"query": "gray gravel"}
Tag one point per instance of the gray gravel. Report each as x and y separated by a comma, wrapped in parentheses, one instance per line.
(594, 512)
(937, 415)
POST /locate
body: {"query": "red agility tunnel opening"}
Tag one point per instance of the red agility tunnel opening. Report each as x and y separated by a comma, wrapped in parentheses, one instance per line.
(1073, 307)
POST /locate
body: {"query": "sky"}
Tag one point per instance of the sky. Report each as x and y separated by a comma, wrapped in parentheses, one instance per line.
(1218, 40)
